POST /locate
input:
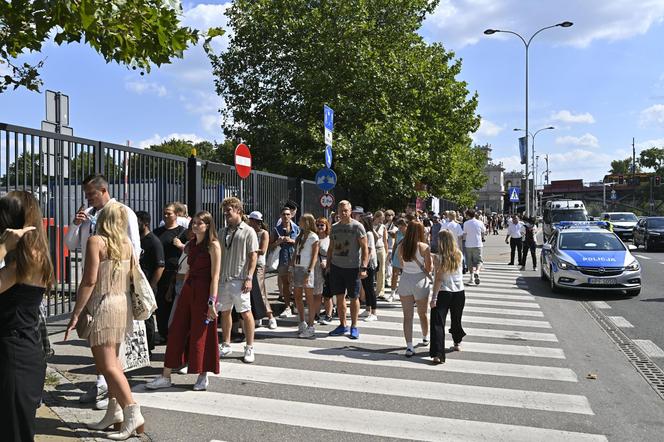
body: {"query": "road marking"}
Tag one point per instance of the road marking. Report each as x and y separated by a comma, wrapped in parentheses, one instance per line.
(437, 391)
(649, 348)
(477, 320)
(373, 358)
(386, 306)
(398, 342)
(503, 303)
(498, 291)
(600, 304)
(354, 420)
(474, 293)
(661, 262)
(643, 257)
(621, 322)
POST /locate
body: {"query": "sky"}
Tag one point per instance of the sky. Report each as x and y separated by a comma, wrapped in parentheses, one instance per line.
(600, 83)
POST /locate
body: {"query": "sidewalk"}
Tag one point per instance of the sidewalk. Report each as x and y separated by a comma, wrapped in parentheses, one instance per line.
(71, 370)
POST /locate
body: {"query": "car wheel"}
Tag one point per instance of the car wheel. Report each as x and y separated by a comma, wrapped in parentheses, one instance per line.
(555, 288)
(542, 274)
(633, 292)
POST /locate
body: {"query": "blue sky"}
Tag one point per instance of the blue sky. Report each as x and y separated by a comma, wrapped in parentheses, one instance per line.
(600, 82)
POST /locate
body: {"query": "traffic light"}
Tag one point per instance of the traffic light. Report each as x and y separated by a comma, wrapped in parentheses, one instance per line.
(658, 180)
(621, 179)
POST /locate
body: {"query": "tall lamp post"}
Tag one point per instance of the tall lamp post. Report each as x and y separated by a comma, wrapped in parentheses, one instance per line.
(533, 135)
(565, 24)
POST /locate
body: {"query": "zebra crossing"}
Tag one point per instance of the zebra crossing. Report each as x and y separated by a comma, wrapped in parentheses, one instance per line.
(509, 382)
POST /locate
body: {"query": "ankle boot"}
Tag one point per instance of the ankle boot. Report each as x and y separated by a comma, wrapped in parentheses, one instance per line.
(132, 424)
(113, 417)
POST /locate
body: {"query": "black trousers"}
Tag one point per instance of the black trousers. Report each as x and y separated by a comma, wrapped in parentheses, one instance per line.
(515, 244)
(22, 372)
(369, 288)
(524, 253)
(452, 302)
(164, 307)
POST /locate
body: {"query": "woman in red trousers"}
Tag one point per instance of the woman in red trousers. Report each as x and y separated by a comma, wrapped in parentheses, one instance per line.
(195, 316)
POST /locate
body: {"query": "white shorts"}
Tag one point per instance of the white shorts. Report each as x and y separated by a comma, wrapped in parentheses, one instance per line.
(231, 296)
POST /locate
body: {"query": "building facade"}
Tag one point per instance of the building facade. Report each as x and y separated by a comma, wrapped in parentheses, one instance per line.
(491, 197)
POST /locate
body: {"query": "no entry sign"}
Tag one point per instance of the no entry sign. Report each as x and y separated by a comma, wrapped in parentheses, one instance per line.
(242, 160)
(326, 201)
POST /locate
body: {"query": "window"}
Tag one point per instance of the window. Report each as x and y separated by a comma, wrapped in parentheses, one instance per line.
(495, 180)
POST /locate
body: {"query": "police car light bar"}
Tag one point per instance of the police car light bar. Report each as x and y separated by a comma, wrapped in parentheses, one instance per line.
(571, 224)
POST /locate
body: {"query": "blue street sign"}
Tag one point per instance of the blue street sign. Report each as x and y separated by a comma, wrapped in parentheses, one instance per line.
(326, 179)
(614, 195)
(328, 118)
(514, 194)
(328, 156)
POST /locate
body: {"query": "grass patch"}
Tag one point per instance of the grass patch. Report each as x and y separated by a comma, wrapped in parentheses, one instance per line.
(51, 380)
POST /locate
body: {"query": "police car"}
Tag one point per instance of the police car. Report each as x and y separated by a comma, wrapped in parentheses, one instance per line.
(587, 256)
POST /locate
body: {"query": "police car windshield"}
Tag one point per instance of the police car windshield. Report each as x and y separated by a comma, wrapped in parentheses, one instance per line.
(568, 215)
(590, 241)
(623, 217)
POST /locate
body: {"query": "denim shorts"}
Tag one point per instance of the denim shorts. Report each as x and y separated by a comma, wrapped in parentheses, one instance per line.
(345, 281)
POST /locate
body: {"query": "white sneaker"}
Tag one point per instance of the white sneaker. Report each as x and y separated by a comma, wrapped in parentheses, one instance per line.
(371, 317)
(302, 327)
(158, 383)
(224, 350)
(249, 356)
(471, 282)
(390, 298)
(272, 323)
(257, 323)
(202, 382)
(101, 404)
(308, 333)
(286, 313)
(365, 313)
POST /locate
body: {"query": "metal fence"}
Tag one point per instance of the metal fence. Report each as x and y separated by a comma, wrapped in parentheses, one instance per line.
(53, 166)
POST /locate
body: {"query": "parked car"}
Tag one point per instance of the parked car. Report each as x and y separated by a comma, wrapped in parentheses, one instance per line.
(587, 256)
(623, 223)
(649, 232)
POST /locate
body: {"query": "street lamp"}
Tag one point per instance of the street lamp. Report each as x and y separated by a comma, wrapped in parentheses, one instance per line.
(534, 165)
(565, 24)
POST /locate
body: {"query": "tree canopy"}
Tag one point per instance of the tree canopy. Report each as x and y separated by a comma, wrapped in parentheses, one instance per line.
(653, 158)
(622, 167)
(135, 33)
(402, 119)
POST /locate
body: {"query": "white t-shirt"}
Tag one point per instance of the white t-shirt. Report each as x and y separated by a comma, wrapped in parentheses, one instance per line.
(473, 229)
(381, 231)
(371, 244)
(305, 252)
(515, 230)
(451, 282)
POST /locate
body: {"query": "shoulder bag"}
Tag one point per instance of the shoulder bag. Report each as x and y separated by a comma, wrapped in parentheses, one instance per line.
(86, 319)
(143, 302)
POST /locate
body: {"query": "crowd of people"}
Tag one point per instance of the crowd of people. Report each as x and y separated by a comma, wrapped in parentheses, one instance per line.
(202, 274)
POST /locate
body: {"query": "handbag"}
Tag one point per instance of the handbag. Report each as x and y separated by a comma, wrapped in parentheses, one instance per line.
(143, 302)
(272, 262)
(86, 319)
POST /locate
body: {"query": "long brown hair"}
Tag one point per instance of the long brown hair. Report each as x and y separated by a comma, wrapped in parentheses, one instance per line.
(307, 227)
(414, 235)
(211, 233)
(19, 209)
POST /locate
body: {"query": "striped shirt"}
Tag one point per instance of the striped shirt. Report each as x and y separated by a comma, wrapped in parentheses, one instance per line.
(236, 244)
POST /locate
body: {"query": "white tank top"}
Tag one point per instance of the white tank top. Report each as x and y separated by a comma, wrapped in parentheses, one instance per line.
(413, 266)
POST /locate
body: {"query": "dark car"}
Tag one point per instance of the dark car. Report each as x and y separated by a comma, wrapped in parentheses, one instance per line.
(649, 232)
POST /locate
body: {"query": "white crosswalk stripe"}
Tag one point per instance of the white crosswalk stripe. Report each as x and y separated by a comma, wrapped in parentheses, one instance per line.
(510, 362)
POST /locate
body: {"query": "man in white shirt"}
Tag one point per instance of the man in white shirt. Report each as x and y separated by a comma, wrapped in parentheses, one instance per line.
(473, 232)
(514, 238)
(95, 188)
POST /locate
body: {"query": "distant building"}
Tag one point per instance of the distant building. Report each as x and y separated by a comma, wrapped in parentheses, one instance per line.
(514, 179)
(491, 197)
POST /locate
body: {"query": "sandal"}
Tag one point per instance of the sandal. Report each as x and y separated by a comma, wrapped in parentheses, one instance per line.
(456, 347)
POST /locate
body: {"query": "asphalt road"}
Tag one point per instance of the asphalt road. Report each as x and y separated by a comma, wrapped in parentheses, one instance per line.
(534, 366)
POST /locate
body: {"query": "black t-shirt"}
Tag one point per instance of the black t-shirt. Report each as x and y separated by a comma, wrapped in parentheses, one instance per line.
(152, 256)
(171, 253)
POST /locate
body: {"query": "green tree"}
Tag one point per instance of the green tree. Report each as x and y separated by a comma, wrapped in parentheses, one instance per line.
(135, 33)
(621, 167)
(402, 119)
(653, 158)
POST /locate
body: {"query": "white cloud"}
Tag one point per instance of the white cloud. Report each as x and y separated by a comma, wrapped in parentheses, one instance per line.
(565, 116)
(458, 23)
(510, 163)
(158, 139)
(656, 142)
(146, 87)
(488, 129)
(654, 115)
(587, 140)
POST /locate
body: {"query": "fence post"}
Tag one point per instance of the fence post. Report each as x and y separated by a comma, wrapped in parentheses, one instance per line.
(194, 184)
(99, 158)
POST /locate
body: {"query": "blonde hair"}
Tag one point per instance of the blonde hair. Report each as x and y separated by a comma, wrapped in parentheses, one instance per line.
(112, 227)
(307, 226)
(450, 255)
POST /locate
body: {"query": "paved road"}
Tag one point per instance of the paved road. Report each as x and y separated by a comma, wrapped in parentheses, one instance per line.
(522, 375)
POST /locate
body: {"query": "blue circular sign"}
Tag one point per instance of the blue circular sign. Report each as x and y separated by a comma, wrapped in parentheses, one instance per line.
(326, 179)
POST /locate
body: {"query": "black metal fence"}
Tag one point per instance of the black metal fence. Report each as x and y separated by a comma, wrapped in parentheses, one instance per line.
(52, 167)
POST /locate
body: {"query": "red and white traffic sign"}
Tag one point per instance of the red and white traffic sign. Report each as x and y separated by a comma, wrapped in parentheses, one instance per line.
(326, 201)
(242, 160)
